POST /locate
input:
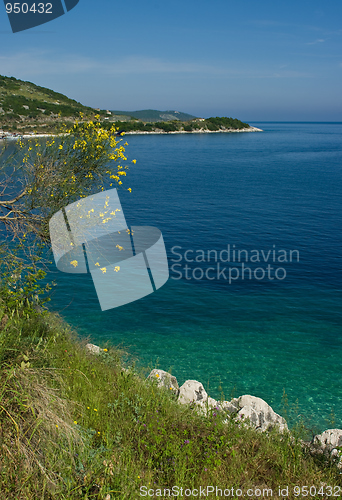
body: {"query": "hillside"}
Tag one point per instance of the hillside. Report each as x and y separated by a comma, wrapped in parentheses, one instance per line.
(77, 422)
(25, 106)
(153, 115)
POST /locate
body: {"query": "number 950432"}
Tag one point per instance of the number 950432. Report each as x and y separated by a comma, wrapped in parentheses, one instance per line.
(25, 8)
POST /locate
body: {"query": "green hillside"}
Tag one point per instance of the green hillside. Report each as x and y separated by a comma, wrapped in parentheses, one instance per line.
(25, 106)
(153, 115)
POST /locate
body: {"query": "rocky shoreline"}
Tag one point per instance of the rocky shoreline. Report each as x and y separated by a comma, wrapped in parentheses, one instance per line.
(15, 137)
(199, 131)
(8, 136)
(250, 410)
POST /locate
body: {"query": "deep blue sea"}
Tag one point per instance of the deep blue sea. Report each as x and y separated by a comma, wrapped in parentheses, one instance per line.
(276, 195)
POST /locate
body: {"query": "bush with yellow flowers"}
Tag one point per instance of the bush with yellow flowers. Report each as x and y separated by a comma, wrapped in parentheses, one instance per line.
(41, 176)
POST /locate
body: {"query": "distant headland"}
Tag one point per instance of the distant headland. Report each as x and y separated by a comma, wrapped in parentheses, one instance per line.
(28, 109)
(172, 125)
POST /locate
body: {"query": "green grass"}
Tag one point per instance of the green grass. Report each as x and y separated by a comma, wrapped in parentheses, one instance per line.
(74, 425)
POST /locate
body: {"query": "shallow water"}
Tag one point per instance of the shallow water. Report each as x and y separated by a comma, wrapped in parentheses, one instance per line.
(279, 190)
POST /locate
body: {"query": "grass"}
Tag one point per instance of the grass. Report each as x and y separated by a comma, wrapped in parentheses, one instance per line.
(74, 425)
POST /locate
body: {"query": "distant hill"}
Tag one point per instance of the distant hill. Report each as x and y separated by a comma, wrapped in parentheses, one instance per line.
(153, 115)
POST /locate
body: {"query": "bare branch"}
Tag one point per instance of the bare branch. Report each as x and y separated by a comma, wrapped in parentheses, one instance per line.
(17, 198)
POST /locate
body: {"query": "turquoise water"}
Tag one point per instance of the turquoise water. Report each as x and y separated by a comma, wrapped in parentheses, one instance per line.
(279, 190)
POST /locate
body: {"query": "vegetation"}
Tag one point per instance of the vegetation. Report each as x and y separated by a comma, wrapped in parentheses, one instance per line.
(223, 122)
(38, 179)
(45, 176)
(25, 106)
(74, 425)
(211, 124)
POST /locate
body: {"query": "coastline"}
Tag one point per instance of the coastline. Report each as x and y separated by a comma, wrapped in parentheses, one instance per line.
(143, 132)
(24, 136)
(253, 411)
(200, 131)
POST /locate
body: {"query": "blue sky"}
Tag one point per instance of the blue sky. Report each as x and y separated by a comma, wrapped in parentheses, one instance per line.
(252, 60)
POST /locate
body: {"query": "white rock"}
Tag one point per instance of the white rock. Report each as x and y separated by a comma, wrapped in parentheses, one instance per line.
(95, 349)
(164, 379)
(208, 404)
(260, 414)
(327, 443)
(229, 406)
(192, 391)
(330, 439)
(211, 402)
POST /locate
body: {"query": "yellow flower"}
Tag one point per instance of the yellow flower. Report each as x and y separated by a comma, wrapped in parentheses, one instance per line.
(57, 426)
(60, 147)
(129, 189)
(103, 269)
(134, 161)
(75, 422)
(95, 409)
(157, 374)
(117, 269)
(106, 350)
(74, 263)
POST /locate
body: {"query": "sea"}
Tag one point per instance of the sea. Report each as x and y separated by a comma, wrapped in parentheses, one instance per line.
(252, 227)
